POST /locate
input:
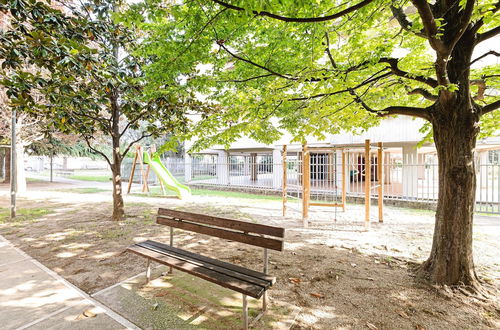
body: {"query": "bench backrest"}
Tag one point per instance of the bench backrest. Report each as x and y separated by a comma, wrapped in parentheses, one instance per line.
(268, 237)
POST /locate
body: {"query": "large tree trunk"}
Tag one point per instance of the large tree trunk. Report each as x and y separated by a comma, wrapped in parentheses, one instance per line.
(451, 260)
(455, 121)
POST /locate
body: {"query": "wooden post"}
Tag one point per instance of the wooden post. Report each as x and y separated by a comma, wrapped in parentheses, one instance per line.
(132, 171)
(380, 174)
(367, 183)
(283, 190)
(343, 181)
(306, 183)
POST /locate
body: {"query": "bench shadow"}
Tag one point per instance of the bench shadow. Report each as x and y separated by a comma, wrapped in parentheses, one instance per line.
(183, 301)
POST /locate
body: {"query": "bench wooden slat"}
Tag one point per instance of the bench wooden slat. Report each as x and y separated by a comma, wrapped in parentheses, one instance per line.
(224, 222)
(226, 281)
(245, 274)
(264, 242)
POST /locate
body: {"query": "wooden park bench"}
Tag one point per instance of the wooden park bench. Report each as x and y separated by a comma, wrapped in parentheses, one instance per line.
(240, 279)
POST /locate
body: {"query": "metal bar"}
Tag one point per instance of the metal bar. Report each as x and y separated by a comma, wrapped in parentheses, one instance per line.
(13, 167)
(283, 192)
(264, 297)
(245, 312)
(326, 204)
(148, 270)
(343, 181)
(380, 174)
(367, 183)
(171, 270)
(306, 184)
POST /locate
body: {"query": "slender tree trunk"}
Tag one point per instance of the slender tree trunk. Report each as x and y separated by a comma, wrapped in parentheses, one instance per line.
(7, 165)
(2, 162)
(118, 205)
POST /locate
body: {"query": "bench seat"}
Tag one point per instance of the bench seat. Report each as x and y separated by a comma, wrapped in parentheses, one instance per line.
(234, 277)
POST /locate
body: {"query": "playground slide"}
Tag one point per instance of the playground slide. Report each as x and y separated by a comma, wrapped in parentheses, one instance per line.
(166, 177)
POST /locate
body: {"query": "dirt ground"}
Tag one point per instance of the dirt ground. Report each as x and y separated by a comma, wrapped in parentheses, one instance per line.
(338, 274)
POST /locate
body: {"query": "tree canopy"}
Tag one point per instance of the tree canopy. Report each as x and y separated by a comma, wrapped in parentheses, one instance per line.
(309, 68)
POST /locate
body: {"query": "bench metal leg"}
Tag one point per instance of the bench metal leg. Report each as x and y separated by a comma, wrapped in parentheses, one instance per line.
(245, 312)
(148, 270)
(170, 271)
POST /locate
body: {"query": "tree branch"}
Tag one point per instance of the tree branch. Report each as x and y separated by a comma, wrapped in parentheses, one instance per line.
(404, 22)
(491, 52)
(393, 110)
(466, 16)
(246, 79)
(393, 62)
(285, 76)
(425, 93)
(298, 19)
(488, 34)
(328, 52)
(430, 27)
(97, 151)
(490, 107)
(367, 81)
(481, 87)
(143, 136)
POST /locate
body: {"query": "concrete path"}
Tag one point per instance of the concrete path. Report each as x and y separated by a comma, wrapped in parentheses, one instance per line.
(34, 297)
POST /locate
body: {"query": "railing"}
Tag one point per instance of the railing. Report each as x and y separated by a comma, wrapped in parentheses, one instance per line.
(404, 178)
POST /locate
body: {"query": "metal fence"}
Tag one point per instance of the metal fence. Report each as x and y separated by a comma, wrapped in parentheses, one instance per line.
(405, 178)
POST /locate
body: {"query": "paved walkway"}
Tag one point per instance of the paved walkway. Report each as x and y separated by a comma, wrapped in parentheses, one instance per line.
(34, 297)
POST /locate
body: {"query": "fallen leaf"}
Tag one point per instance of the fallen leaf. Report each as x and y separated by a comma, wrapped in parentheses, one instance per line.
(89, 313)
(371, 326)
(85, 314)
(294, 280)
(161, 294)
(419, 327)
(317, 295)
(403, 314)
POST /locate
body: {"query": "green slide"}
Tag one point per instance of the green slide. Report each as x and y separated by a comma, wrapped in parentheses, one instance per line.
(166, 177)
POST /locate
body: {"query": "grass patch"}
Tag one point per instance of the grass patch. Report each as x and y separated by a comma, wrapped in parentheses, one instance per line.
(23, 215)
(95, 178)
(84, 190)
(156, 192)
(234, 194)
(34, 180)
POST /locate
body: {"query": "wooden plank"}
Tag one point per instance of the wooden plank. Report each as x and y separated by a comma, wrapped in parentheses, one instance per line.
(380, 174)
(325, 204)
(264, 242)
(206, 262)
(227, 265)
(223, 222)
(226, 281)
(131, 178)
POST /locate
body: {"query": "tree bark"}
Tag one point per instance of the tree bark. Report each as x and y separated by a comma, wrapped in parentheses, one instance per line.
(118, 205)
(455, 120)
(7, 166)
(2, 162)
(451, 259)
